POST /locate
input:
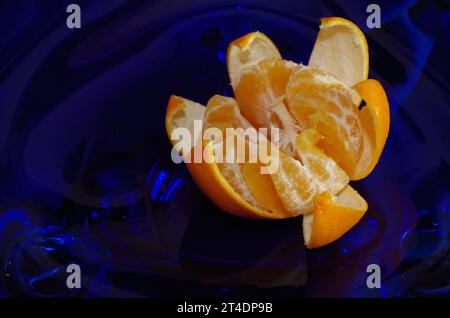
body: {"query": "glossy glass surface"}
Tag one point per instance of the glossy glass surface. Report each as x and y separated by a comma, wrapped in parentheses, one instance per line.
(86, 174)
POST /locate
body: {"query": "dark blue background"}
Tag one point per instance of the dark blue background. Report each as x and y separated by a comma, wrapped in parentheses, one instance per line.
(86, 175)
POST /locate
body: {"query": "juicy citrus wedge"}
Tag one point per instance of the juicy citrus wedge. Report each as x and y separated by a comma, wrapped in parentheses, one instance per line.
(295, 185)
(244, 176)
(182, 112)
(319, 100)
(260, 94)
(332, 217)
(298, 182)
(246, 51)
(222, 113)
(239, 189)
(375, 119)
(341, 49)
(262, 189)
(328, 175)
(213, 183)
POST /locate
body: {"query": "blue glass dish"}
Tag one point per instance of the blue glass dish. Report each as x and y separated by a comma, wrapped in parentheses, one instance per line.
(83, 150)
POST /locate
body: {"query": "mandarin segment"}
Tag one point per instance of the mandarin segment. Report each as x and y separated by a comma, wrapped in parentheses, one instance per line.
(329, 175)
(298, 182)
(262, 188)
(295, 185)
(261, 98)
(210, 180)
(223, 112)
(245, 177)
(319, 100)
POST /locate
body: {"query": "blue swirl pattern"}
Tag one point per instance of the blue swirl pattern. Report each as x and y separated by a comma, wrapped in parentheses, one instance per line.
(86, 174)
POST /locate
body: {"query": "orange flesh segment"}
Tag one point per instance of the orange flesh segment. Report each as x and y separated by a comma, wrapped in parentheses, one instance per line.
(245, 178)
(262, 188)
(260, 95)
(294, 185)
(318, 100)
(330, 177)
(210, 180)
